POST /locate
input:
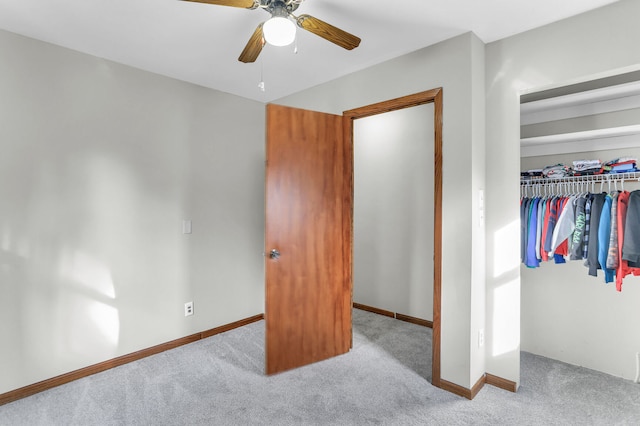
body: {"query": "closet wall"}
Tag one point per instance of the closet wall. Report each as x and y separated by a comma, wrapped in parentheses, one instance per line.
(570, 316)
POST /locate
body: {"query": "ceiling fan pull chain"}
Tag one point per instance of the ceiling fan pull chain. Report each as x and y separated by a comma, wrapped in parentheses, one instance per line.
(261, 84)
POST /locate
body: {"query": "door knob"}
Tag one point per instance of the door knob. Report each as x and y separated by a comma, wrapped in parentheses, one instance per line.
(274, 254)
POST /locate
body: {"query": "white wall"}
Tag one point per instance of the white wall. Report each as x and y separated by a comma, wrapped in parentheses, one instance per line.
(478, 210)
(99, 165)
(393, 211)
(584, 321)
(452, 65)
(576, 49)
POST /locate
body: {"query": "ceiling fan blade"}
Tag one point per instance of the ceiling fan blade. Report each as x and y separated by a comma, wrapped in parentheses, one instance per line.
(246, 4)
(328, 32)
(253, 47)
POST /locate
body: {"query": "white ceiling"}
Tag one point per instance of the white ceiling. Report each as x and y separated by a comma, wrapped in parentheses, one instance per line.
(200, 43)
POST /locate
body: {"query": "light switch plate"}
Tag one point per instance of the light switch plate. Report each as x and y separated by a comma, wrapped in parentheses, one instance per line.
(186, 226)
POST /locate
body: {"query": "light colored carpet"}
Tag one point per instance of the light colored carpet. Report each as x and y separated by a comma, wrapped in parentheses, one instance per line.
(383, 380)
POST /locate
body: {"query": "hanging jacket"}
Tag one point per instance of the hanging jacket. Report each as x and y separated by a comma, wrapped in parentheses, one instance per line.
(612, 257)
(575, 242)
(604, 234)
(585, 240)
(623, 266)
(592, 255)
(631, 248)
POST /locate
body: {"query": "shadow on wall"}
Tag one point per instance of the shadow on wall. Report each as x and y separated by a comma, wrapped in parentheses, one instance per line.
(58, 306)
(74, 224)
(89, 319)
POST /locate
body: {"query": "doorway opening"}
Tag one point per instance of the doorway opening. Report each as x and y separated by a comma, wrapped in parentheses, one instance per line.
(434, 113)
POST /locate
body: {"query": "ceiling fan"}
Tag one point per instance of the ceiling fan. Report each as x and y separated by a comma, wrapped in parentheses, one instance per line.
(282, 14)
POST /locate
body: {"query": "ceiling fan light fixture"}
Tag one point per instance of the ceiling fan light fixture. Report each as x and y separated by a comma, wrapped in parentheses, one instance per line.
(279, 31)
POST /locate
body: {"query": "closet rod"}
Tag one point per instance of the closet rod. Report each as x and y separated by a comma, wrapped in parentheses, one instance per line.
(610, 177)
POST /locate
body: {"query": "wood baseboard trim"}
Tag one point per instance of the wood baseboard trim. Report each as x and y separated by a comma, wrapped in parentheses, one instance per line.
(29, 390)
(414, 320)
(501, 383)
(228, 327)
(478, 386)
(374, 310)
(401, 317)
(462, 391)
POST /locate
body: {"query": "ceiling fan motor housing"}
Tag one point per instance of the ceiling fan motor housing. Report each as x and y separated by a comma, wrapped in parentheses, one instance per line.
(280, 8)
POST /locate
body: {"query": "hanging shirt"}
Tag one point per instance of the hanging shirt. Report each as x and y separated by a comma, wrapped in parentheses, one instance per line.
(524, 204)
(612, 257)
(563, 248)
(551, 224)
(604, 234)
(544, 256)
(541, 209)
(565, 226)
(531, 260)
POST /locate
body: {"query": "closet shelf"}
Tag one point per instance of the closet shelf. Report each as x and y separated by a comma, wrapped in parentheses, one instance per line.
(601, 134)
(604, 178)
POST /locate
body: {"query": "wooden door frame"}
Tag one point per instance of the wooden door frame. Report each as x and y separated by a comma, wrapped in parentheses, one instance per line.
(430, 96)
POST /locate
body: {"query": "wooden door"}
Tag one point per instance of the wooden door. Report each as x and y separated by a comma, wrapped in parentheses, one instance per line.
(308, 222)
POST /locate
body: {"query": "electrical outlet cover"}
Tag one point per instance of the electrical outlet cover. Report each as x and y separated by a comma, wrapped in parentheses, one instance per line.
(188, 309)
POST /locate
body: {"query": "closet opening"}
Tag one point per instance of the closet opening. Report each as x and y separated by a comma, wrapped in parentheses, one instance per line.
(579, 143)
(396, 148)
